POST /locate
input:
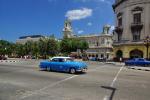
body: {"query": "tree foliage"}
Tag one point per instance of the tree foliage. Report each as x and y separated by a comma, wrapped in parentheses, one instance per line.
(44, 47)
(5, 47)
(71, 45)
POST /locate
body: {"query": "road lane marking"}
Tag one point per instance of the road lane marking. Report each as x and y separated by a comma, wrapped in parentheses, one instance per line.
(51, 85)
(113, 82)
(30, 93)
(106, 98)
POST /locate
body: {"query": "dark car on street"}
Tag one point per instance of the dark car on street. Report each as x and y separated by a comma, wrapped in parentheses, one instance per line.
(137, 62)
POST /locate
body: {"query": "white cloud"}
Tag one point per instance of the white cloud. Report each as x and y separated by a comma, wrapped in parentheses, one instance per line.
(105, 1)
(89, 24)
(80, 31)
(78, 14)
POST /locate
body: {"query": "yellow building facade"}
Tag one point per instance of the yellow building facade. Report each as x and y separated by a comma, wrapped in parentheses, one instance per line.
(132, 29)
(127, 51)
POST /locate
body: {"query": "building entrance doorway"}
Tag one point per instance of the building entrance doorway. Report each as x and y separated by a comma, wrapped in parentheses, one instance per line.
(119, 54)
(136, 54)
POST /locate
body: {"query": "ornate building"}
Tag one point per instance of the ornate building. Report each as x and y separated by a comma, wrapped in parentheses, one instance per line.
(100, 45)
(24, 39)
(132, 27)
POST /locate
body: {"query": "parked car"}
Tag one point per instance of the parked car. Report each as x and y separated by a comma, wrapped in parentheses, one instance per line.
(137, 62)
(93, 58)
(63, 64)
(3, 58)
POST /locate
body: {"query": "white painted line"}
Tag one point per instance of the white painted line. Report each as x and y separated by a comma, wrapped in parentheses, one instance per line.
(106, 98)
(113, 82)
(30, 93)
(46, 87)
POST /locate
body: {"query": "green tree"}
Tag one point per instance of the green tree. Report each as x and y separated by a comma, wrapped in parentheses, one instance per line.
(52, 47)
(71, 45)
(42, 45)
(35, 49)
(20, 50)
(5, 47)
(83, 45)
(48, 46)
(65, 46)
(28, 47)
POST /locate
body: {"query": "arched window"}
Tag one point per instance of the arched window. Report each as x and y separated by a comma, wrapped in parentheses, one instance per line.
(102, 41)
(136, 54)
(119, 54)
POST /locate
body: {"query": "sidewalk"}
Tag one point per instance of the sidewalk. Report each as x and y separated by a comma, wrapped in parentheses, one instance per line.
(130, 67)
(116, 63)
(8, 61)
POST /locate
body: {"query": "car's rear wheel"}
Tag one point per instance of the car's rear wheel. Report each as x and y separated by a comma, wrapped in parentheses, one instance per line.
(126, 64)
(49, 69)
(146, 65)
(72, 71)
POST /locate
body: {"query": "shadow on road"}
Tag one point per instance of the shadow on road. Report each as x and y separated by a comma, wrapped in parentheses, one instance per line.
(111, 89)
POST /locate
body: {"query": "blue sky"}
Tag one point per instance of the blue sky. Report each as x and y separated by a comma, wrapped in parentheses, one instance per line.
(46, 17)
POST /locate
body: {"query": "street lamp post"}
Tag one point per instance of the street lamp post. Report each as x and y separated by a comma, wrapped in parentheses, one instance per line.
(147, 44)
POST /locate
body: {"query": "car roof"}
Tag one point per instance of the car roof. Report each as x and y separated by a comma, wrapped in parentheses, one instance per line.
(138, 58)
(61, 57)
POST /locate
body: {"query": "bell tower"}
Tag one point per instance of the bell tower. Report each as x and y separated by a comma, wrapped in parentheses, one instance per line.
(106, 29)
(67, 30)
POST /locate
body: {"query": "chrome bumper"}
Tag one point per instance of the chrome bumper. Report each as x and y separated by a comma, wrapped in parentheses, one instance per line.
(82, 70)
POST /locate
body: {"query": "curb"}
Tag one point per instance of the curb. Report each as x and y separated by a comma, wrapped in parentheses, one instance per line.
(8, 61)
(117, 64)
(142, 69)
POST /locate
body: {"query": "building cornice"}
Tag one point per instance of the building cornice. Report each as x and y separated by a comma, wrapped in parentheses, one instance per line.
(128, 44)
(117, 3)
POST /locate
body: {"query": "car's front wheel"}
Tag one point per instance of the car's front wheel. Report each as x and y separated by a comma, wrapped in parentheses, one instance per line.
(146, 65)
(72, 71)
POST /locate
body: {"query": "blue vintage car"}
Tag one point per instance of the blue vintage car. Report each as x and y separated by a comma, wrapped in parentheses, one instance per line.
(63, 64)
(137, 62)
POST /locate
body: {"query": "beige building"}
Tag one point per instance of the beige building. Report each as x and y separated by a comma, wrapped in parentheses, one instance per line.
(24, 39)
(132, 28)
(100, 45)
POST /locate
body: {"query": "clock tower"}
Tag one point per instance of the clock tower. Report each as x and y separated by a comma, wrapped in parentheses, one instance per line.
(67, 30)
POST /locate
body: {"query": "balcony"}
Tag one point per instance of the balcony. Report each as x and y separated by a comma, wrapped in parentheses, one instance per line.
(137, 25)
(119, 29)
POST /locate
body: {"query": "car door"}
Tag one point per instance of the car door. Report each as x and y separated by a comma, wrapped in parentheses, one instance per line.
(132, 61)
(61, 63)
(54, 64)
(136, 62)
(140, 62)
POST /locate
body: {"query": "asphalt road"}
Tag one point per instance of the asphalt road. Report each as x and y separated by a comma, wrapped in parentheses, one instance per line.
(22, 80)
